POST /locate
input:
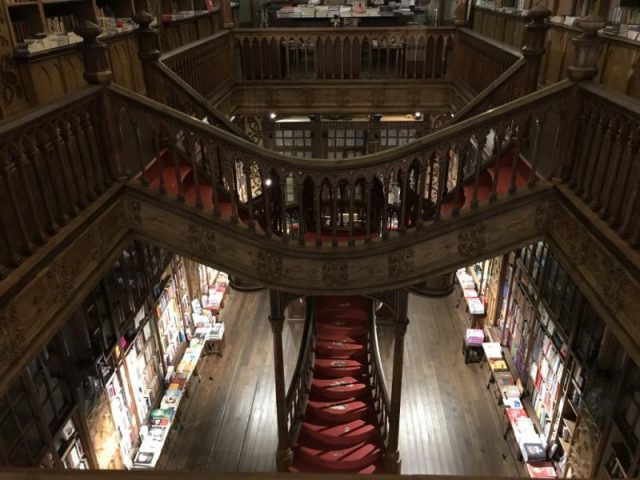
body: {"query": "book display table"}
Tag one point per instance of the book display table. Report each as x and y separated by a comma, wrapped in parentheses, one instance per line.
(472, 345)
(475, 306)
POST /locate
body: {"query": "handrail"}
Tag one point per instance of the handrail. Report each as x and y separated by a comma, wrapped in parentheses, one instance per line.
(374, 160)
(197, 101)
(298, 391)
(377, 377)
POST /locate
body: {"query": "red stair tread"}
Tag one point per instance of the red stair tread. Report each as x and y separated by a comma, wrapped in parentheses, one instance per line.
(338, 388)
(337, 411)
(338, 367)
(347, 433)
(346, 317)
(356, 456)
(337, 348)
(303, 466)
(332, 301)
(356, 331)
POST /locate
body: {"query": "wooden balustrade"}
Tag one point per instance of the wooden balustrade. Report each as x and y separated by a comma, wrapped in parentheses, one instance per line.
(604, 168)
(332, 202)
(381, 399)
(53, 163)
(298, 391)
(206, 65)
(325, 53)
(479, 61)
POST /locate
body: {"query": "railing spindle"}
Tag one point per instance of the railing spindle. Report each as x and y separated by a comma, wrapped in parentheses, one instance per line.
(335, 189)
(368, 218)
(515, 162)
(33, 156)
(316, 192)
(247, 181)
(352, 191)
(8, 168)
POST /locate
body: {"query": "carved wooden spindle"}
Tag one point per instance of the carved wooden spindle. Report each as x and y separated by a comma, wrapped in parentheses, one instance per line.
(385, 207)
(8, 170)
(13, 257)
(458, 201)
(335, 191)
(96, 149)
(533, 47)
(516, 160)
(631, 216)
(192, 145)
(603, 164)
(48, 201)
(629, 158)
(301, 210)
(587, 124)
(369, 191)
(215, 179)
(535, 152)
(144, 180)
(402, 227)
(634, 236)
(74, 163)
(24, 167)
(84, 157)
(318, 205)
(267, 192)
(66, 172)
(612, 172)
(442, 184)
(57, 182)
(284, 235)
(158, 150)
(246, 170)
(592, 159)
(477, 156)
(232, 185)
(423, 170)
(497, 158)
(352, 193)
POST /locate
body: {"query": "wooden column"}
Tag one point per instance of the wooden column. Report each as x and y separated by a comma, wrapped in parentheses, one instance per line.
(149, 53)
(392, 460)
(533, 46)
(284, 454)
(587, 49)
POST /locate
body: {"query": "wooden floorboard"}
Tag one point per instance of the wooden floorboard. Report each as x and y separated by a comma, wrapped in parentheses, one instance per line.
(449, 422)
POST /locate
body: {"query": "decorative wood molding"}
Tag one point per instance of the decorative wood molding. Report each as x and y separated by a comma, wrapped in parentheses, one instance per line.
(401, 262)
(269, 265)
(472, 240)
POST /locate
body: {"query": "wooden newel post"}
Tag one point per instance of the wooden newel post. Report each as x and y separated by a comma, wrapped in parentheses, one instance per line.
(284, 454)
(149, 52)
(97, 68)
(392, 460)
(227, 15)
(535, 31)
(460, 14)
(587, 49)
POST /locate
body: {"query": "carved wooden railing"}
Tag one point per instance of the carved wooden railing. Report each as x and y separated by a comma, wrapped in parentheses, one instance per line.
(206, 65)
(53, 163)
(359, 53)
(603, 166)
(381, 399)
(298, 392)
(479, 62)
(383, 194)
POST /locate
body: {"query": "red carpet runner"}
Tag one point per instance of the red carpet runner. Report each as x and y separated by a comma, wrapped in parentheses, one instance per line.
(340, 431)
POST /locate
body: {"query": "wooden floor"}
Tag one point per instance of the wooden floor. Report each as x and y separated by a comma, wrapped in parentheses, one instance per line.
(449, 422)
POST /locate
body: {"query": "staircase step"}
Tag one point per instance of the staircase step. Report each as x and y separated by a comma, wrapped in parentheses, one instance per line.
(348, 433)
(338, 388)
(338, 348)
(338, 411)
(342, 302)
(337, 367)
(357, 456)
(342, 330)
(303, 466)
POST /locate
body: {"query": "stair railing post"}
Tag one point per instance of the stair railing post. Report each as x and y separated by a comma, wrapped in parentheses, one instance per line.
(392, 460)
(587, 49)
(284, 454)
(97, 71)
(535, 31)
(227, 15)
(149, 52)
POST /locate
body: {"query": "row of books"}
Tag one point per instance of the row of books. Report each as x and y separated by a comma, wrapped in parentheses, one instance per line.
(62, 23)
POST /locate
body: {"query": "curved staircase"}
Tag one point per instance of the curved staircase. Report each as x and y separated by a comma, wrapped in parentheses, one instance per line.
(340, 431)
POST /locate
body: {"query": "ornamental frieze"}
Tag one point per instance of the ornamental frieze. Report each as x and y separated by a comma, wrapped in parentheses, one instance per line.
(203, 239)
(401, 262)
(269, 265)
(334, 274)
(472, 240)
(12, 335)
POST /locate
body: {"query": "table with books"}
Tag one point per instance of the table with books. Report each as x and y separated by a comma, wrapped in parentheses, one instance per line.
(154, 433)
(531, 447)
(472, 345)
(475, 306)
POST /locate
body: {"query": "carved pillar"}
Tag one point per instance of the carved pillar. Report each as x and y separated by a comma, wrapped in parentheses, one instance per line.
(392, 460)
(533, 46)
(284, 454)
(587, 48)
(149, 53)
(227, 15)
(97, 69)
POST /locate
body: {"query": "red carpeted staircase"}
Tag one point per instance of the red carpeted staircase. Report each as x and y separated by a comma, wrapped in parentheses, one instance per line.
(340, 432)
